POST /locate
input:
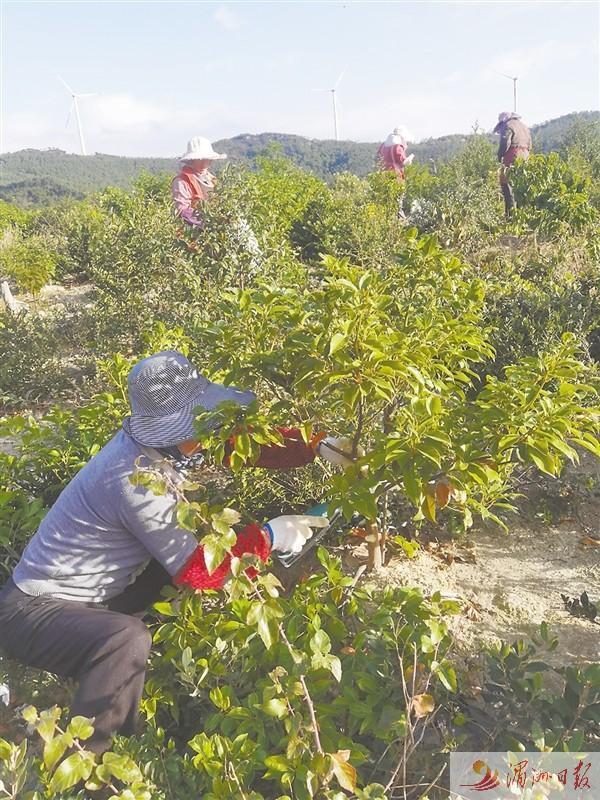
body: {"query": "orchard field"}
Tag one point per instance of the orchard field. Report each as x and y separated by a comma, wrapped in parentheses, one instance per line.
(458, 351)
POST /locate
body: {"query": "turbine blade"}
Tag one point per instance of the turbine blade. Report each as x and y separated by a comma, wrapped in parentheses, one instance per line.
(66, 85)
(339, 80)
(88, 94)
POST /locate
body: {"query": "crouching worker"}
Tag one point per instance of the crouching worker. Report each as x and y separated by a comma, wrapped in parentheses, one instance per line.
(102, 554)
(515, 144)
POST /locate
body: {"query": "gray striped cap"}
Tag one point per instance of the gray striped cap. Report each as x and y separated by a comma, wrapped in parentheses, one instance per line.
(164, 389)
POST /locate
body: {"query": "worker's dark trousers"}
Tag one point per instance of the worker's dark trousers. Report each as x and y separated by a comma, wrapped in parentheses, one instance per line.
(104, 648)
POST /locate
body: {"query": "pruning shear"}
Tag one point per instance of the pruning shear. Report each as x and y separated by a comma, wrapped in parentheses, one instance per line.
(335, 523)
(288, 559)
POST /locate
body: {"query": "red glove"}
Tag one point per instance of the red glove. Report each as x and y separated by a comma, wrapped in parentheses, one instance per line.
(252, 539)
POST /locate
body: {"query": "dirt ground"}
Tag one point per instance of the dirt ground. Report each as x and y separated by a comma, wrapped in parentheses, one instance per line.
(513, 584)
(54, 295)
(508, 583)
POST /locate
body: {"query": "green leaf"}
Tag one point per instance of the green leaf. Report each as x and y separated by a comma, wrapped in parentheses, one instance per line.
(320, 642)
(243, 445)
(589, 443)
(187, 658)
(122, 767)
(374, 791)
(592, 675)
(410, 547)
(187, 517)
(537, 734)
(222, 526)
(158, 486)
(447, 675)
(563, 448)
(236, 462)
(30, 715)
(230, 516)
(412, 484)
(270, 583)
(334, 665)
(438, 630)
(46, 725)
(77, 767)
(166, 609)
(306, 429)
(278, 763)
(576, 742)
(275, 708)
(216, 548)
(265, 616)
(336, 341)
(220, 698)
(543, 461)
(80, 728)
(5, 749)
(54, 750)
(428, 507)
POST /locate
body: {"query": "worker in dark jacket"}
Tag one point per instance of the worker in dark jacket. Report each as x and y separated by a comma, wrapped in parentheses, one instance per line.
(515, 144)
(107, 547)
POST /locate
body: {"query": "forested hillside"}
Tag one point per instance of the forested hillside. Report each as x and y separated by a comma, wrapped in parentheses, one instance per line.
(41, 177)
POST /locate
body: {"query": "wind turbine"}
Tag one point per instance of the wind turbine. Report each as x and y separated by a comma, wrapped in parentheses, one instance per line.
(514, 80)
(75, 106)
(334, 102)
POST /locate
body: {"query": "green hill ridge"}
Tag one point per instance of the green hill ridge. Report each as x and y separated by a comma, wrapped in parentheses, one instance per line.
(38, 177)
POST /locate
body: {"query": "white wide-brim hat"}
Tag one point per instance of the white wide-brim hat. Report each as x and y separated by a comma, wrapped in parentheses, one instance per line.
(165, 394)
(200, 148)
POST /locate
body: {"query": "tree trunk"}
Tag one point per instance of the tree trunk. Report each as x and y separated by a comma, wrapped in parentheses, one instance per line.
(376, 544)
(9, 301)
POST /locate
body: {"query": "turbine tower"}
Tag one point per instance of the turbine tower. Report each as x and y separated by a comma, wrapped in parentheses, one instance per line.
(75, 106)
(334, 102)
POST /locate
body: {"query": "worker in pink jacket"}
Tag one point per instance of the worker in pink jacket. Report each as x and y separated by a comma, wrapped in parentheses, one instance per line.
(191, 189)
(194, 183)
(392, 153)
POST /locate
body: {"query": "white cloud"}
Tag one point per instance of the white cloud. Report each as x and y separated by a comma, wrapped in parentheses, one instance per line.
(374, 119)
(227, 18)
(114, 113)
(27, 125)
(113, 123)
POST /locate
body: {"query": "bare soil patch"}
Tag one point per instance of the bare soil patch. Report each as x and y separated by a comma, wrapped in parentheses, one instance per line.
(508, 583)
(513, 584)
(56, 297)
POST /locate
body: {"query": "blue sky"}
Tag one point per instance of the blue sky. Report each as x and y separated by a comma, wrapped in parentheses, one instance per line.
(165, 71)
